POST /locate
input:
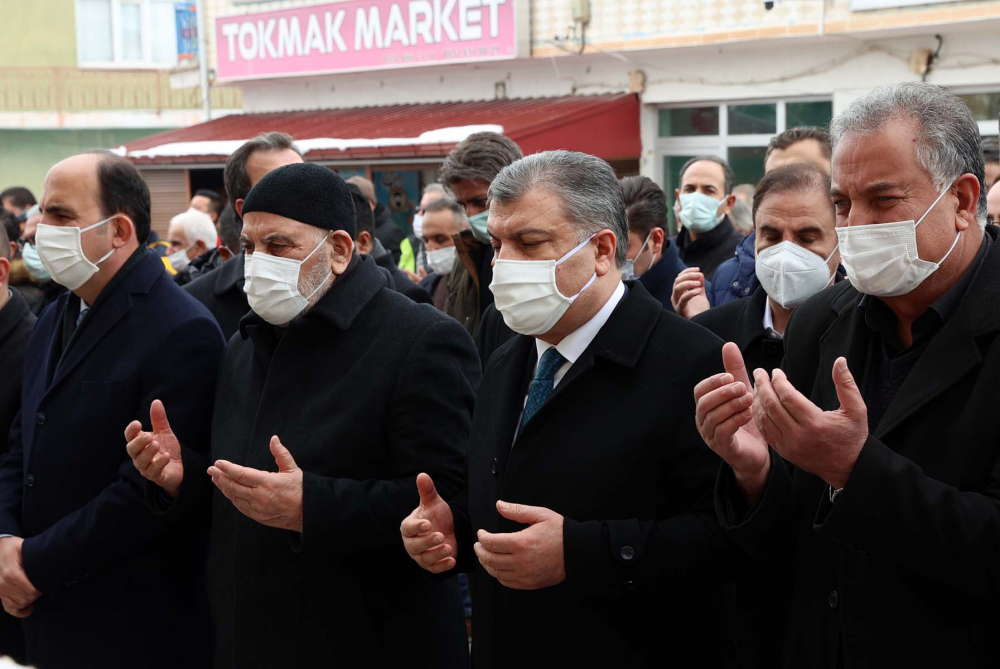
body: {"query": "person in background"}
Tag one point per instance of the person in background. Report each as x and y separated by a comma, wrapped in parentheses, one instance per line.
(18, 277)
(367, 244)
(44, 290)
(705, 198)
(444, 221)
(993, 204)
(866, 470)
(18, 200)
(191, 235)
(386, 231)
(592, 539)
(736, 278)
(796, 257)
(991, 154)
(744, 192)
(229, 246)
(467, 172)
(83, 560)
(414, 260)
(221, 290)
(208, 202)
(742, 219)
(334, 395)
(651, 257)
(16, 323)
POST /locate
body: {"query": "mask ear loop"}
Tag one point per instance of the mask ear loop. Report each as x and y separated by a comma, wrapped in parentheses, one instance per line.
(833, 274)
(570, 255)
(954, 243)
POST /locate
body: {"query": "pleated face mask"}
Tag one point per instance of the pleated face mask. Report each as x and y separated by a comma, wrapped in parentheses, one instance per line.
(61, 251)
(272, 286)
(882, 259)
(527, 295)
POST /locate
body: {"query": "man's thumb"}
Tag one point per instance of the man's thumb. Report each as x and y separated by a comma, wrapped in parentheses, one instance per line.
(284, 459)
(428, 493)
(847, 389)
(158, 417)
(732, 360)
(522, 513)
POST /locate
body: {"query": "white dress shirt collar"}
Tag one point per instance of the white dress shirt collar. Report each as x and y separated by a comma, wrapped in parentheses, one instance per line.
(575, 343)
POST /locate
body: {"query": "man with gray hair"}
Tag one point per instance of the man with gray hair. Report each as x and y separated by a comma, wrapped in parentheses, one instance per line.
(591, 536)
(191, 235)
(444, 221)
(868, 467)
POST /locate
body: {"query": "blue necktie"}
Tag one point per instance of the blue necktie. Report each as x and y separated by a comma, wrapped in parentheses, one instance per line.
(542, 385)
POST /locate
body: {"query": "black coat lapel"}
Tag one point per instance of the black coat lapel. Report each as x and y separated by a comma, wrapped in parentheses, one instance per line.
(849, 336)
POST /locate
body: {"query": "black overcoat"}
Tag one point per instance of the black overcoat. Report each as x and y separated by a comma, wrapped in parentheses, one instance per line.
(901, 570)
(366, 390)
(615, 451)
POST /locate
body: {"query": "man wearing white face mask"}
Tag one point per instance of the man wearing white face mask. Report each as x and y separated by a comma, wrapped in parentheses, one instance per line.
(796, 251)
(443, 221)
(190, 235)
(576, 519)
(76, 534)
(322, 423)
(883, 502)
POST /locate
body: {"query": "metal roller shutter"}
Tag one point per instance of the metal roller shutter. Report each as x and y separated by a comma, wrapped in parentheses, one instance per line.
(169, 194)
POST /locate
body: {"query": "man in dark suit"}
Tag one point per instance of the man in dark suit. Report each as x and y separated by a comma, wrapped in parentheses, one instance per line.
(221, 290)
(84, 561)
(329, 405)
(588, 518)
(16, 323)
(878, 496)
(652, 258)
(793, 221)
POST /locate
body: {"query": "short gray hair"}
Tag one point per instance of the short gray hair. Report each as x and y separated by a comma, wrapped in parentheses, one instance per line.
(590, 192)
(434, 188)
(948, 143)
(198, 227)
(446, 203)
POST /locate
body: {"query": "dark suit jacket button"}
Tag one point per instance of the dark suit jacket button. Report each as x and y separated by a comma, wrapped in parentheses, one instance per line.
(834, 599)
(29, 480)
(496, 467)
(40, 419)
(629, 585)
(627, 552)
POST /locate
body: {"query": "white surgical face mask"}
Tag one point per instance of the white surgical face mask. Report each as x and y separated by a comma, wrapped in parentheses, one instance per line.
(442, 260)
(791, 274)
(628, 272)
(527, 295)
(882, 259)
(179, 259)
(418, 226)
(62, 254)
(272, 286)
(700, 213)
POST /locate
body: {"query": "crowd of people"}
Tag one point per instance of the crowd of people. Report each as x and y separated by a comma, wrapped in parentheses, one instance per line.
(537, 426)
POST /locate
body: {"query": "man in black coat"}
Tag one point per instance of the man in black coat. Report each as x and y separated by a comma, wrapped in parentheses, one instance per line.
(328, 407)
(16, 323)
(221, 290)
(705, 197)
(879, 495)
(792, 211)
(86, 564)
(588, 517)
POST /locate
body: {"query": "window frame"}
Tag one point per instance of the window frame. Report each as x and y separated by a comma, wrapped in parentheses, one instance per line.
(146, 33)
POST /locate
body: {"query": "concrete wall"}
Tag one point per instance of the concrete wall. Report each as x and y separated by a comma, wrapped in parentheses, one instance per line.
(28, 154)
(38, 33)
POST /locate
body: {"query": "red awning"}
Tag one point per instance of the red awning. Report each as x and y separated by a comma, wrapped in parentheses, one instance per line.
(606, 126)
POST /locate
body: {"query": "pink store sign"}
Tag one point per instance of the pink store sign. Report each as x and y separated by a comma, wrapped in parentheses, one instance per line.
(367, 35)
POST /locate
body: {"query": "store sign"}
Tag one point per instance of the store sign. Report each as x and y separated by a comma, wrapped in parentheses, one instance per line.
(861, 5)
(369, 35)
(187, 31)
